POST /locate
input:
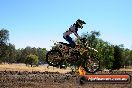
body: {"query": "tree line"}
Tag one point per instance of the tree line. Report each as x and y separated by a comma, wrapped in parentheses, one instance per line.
(28, 55)
(111, 56)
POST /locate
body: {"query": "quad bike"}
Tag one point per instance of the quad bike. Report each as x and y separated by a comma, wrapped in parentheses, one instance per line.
(80, 55)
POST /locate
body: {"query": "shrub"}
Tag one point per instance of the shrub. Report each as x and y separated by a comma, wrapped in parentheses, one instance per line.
(31, 60)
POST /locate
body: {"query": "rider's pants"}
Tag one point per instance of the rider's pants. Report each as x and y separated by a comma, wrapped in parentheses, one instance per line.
(71, 42)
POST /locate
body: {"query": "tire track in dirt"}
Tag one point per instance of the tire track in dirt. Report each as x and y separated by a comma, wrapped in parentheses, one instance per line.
(36, 79)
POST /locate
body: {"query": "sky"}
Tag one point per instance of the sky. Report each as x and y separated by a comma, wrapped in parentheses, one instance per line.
(35, 22)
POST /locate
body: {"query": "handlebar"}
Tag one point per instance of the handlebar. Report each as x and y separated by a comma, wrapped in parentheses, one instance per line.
(84, 40)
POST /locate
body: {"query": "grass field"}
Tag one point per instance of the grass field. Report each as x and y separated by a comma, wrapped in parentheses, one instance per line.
(23, 67)
(41, 68)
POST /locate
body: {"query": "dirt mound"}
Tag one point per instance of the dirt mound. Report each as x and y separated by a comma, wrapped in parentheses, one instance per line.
(36, 79)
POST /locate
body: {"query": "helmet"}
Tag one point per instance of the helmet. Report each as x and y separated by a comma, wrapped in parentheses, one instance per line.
(80, 23)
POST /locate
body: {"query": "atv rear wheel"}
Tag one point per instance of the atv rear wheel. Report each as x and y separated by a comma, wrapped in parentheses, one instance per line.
(54, 58)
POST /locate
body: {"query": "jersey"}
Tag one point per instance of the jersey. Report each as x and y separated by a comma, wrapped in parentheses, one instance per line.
(71, 30)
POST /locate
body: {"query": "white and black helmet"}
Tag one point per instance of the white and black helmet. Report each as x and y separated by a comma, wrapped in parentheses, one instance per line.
(80, 23)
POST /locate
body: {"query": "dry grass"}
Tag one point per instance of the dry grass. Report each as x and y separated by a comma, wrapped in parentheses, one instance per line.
(126, 69)
(41, 68)
(23, 67)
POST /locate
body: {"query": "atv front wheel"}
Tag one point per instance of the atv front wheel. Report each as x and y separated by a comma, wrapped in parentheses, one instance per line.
(92, 65)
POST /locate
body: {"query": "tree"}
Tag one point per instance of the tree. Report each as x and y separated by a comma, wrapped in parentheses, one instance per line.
(117, 58)
(41, 54)
(31, 60)
(3, 53)
(18, 55)
(21, 54)
(130, 56)
(11, 53)
(91, 38)
(24, 53)
(105, 50)
(4, 37)
(105, 53)
(127, 55)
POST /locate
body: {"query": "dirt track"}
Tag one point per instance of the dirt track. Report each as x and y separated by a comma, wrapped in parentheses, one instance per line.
(35, 79)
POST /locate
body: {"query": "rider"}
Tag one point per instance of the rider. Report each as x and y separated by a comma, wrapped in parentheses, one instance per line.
(73, 29)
